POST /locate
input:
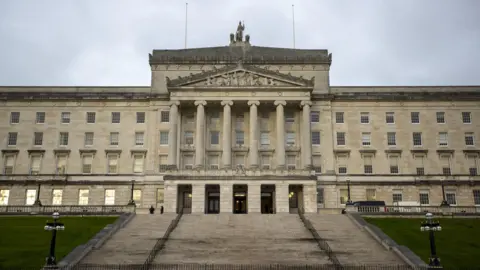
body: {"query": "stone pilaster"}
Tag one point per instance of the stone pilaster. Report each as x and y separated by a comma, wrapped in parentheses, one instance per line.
(254, 192)
(198, 198)
(172, 135)
(281, 198)
(310, 198)
(170, 194)
(253, 151)
(226, 198)
(280, 150)
(306, 135)
(200, 134)
(227, 136)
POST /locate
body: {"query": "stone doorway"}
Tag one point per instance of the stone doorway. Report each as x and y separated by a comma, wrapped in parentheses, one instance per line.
(267, 201)
(295, 198)
(212, 199)
(184, 199)
(240, 199)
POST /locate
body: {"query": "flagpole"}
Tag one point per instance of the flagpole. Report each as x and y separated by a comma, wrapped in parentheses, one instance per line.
(186, 23)
(293, 22)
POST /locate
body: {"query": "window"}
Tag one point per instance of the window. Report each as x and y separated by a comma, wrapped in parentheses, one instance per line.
(188, 136)
(115, 117)
(451, 197)
(137, 197)
(14, 117)
(140, 117)
(315, 117)
(188, 162)
(445, 164)
(83, 196)
(112, 164)
(189, 118)
(476, 197)
(472, 161)
(87, 161)
(160, 194)
(419, 164)
(65, 117)
(443, 139)
(264, 116)
(4, 195)
(320, 195)
(91, 117)
(114, 138)
(12, 138)
(341, 138)
(469, 139)
(290, 138)
(264, 138)
(35, 163)
(441, 117)
(37, 138)
(366, 138)
(424, 198)
(164, 116)
(317, 163)
(467, 117)
(391, 138)
(61, 164)
(415, 117)
(371, 194)
(63, 138)
(110, 197)
(31, 196)
(40, 118)
(364, 117)
(57, 195)
(214, 137)
(215, 117)
(138, 163)
(339, 118)
(397, 196)
(417, 139)
(213, 162)
(163, 137)
(390, 118)
(289, 117)
(265, 162)
(163, 163)
(291, 162)
(239, 120)
(139, 138)
(367, 164)
(342, 164)
(316, 137)
(239, 138)
(343, 196)
(88, 140)
(9, 164)
(394, 164)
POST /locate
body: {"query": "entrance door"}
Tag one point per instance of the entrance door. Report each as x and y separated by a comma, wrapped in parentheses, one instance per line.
(187, 202)
(267, 203)
(293, 202)
(239, 203)
(213, 203)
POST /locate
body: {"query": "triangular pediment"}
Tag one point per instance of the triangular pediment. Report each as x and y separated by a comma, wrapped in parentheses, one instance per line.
(239, 76)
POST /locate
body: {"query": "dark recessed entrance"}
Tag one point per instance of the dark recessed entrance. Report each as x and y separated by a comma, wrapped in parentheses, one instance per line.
(267, 202)
(212, 199)
(240, 199)
(295, 198)
(184, 199)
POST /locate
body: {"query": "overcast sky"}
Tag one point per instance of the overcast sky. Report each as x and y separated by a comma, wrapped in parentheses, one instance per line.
(103, 42)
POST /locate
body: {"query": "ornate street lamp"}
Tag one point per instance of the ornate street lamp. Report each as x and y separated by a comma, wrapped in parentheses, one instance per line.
(349, 200)
(132, 202)
(432, 226)
(54, 227)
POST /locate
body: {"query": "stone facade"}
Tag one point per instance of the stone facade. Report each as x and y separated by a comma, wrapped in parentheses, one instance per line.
(239, 128)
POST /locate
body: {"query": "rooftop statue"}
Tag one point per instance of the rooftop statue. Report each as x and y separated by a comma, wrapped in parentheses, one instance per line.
(238, 36)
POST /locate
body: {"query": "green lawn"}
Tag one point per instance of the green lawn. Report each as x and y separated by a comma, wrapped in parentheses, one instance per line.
(25, 244)
(458, 244)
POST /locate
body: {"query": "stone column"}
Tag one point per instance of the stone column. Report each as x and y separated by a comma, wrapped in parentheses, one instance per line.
(306, 136)
(227, 135)
(198, 198)
(226, 198)
(281, 198)
(310, 198)
(200, 134)
(280, 150)
(170, 196)
(253, 203)
(172, 135)
(253, 133)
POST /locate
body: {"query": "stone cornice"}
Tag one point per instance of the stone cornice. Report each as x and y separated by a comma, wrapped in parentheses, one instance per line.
(59, 95)
(432, 95)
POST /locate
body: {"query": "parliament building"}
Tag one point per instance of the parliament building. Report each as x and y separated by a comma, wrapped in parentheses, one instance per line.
(239, 129)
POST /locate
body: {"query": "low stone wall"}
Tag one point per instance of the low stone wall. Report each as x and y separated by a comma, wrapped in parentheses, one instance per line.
(79, 252)
(402, 251)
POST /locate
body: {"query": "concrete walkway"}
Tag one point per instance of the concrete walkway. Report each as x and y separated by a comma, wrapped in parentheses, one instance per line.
(132, 244)
(350, 244)
(241, 239)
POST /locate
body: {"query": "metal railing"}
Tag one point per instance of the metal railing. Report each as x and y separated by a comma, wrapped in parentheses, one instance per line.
(322, 243)
(417, 210)
(160, 244)
(66, 209)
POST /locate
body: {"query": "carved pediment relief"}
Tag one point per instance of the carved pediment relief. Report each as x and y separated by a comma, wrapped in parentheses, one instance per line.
(239, 76)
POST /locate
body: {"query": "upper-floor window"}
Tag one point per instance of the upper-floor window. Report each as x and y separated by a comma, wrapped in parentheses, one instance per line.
(442, 138)
(163, 137)
(390, 117)
(63, 138)
(188, 136)
(240, 138)
(316, 137)
(214, 137)
(469, 139)
(12, 138)
(37, 138)
(315, 116)
(164, 116)
(467, 117)
(415, 117)
(189, 118)
(115, 117)
(139, 138)
(91, 117)
(364, 117)
(440, 117)
(140, 117)
(40, 118)
(391, 138)
(341, 138)
(14, 117)
(339, 117)
(215, 117)
(88, 140)
(65, 118)
(239, 120)
(417, 138)
(264, 138)
(366, 138)
(289, 117)
(290, 138)
(114, 138)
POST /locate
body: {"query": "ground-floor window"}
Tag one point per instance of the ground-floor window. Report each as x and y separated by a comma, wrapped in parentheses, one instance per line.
(4, 195)
(320, 196)
(424, 198)
(476, 196)
(109, 196)
(83, 196)
(451, 197)
(137, 196)
(31, 196)
(57, 195)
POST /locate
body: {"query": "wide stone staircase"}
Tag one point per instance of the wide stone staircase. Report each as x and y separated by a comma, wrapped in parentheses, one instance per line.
(350, 244)
(133, 243)
(241, 239)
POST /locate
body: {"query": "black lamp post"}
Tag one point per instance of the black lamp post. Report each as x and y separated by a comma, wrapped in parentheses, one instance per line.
(349, 201)
(54, 227)
(444, 200)
(37, 197)
(432, 226)
(132, 202)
